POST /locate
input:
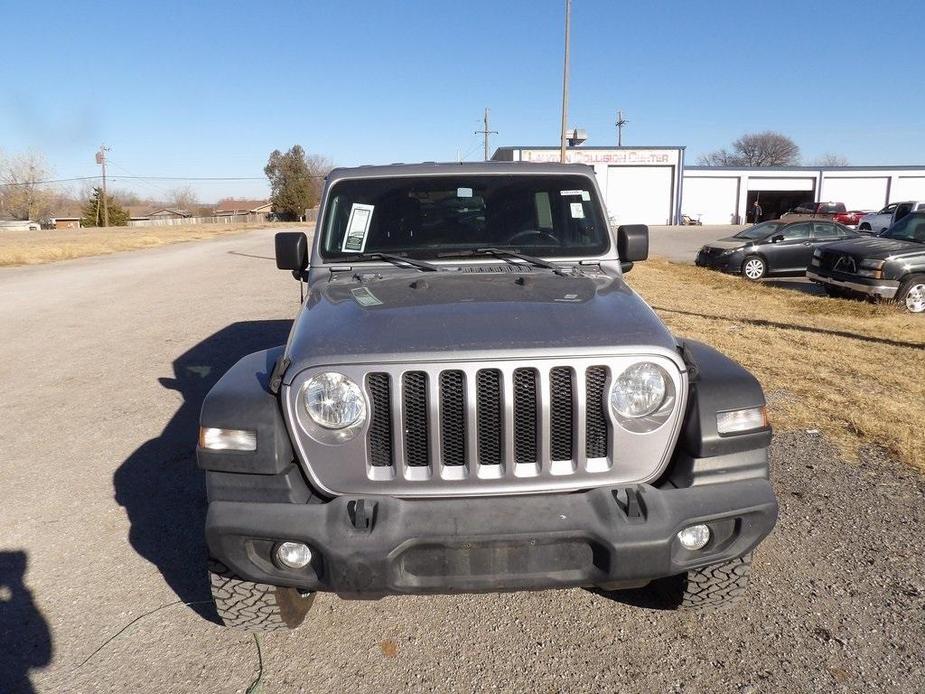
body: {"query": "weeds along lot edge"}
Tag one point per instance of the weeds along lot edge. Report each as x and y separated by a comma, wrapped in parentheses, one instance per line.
(34, 247)
(852, 369)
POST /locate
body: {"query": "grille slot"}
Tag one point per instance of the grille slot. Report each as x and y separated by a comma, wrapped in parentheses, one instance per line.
(526, 416)
(488, 411)
(560, 413)
(452, 418)
(379, 438)
(596, 429)
(416, 430)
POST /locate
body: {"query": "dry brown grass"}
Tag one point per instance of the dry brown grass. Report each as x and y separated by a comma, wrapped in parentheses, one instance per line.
(854, 370)
(32, 247)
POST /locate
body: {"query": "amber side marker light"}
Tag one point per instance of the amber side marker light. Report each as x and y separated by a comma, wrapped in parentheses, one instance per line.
(214, 439)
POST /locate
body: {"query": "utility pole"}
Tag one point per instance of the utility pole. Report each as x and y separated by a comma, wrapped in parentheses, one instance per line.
(101, 160)
(568, 26)
(485, 132)
(621, 121)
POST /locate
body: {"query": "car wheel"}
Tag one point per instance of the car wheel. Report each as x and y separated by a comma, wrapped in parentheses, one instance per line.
(864, 227)
(754, 268)
(912, 294)
(253, 606)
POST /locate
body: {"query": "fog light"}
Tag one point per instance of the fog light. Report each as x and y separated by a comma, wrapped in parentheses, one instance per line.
(694, 537)
(295, 555)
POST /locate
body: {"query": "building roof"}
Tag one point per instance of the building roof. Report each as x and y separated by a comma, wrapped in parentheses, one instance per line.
(884, 167)
(235, 204)
(579, 148)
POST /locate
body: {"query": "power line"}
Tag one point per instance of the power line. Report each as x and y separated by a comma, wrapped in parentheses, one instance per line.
(146, 178)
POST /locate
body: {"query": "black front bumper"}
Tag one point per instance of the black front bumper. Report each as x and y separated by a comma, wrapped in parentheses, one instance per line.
(375, 546)
(724, 263)
(885, 289)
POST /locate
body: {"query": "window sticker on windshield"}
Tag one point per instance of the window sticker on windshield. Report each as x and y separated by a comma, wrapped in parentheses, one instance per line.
(364, 297)
(571, 192)
(578, 210)
(464, 192)
(585, 195)
(357, 228)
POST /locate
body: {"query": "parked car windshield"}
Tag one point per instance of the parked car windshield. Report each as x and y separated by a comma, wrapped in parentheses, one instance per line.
(909, 228)
(422, 216)
(759, 231)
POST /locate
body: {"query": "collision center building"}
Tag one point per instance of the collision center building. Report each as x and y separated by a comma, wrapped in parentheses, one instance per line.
(652, 185)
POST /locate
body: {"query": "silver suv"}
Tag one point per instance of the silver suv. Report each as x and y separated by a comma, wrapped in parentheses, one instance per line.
(472, 399)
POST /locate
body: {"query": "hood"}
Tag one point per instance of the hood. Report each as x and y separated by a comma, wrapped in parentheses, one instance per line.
(730, 242)
(875, 247)
(397, 317)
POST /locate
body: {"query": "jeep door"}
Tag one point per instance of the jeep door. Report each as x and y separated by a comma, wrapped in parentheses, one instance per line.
(793, 252)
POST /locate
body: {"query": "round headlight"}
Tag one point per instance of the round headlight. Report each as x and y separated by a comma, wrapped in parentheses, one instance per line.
(333, 401)
(639, 391)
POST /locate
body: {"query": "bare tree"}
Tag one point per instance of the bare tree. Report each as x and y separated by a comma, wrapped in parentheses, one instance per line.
(756, 149)
(23, 193)
(831, 159)
(183, 198)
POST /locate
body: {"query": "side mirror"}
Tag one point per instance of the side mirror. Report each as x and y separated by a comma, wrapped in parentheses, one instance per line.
(632, 244)
(777, 239)
(291, 250)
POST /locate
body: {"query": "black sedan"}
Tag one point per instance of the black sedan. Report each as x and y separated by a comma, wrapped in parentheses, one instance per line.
(772, 248)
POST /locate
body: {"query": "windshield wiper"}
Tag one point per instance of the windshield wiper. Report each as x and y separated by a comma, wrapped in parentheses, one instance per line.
(506, 255)
(394, 259)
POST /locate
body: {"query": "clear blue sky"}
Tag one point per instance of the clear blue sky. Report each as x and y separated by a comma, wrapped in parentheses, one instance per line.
(209, 88)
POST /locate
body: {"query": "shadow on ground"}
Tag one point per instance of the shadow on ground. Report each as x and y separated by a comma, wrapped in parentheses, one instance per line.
(159, 485)
(25, 637)
(761, 322)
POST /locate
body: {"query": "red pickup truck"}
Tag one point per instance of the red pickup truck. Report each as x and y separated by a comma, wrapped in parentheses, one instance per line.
(835, 211)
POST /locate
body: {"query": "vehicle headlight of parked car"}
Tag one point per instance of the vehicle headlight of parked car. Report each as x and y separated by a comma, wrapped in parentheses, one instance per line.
(335, 407)
(642, 397)
(870, 267)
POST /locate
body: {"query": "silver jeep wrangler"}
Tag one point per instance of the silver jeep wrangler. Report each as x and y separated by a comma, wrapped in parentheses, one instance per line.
(472, 399)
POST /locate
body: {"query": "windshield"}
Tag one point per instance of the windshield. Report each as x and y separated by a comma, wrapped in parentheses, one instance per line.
(909, 228)
(423, 216)
(759, 231)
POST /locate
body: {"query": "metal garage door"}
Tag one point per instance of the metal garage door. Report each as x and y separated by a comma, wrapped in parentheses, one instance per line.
(858, 193)
(908, 188)
(711, 200)
(639, 194)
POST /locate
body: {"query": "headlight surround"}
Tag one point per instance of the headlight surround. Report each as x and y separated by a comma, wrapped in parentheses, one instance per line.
(642, 397)
(334, 406)
(871, 267)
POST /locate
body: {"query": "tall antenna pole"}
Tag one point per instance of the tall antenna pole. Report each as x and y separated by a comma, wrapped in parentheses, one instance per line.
(568, 26)
(621, 121)
(101, 160)
(485, 132)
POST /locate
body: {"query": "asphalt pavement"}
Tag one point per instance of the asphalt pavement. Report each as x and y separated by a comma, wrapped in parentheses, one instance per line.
(104, 363)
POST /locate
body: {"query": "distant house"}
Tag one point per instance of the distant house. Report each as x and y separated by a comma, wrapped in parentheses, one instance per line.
(65, 222)
(231, 207)
(168, 213)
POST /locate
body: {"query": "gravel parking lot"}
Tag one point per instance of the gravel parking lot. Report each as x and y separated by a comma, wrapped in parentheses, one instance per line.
(104, 366)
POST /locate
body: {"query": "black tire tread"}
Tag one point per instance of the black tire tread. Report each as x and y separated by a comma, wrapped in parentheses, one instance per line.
(253, 606)
(715, 586)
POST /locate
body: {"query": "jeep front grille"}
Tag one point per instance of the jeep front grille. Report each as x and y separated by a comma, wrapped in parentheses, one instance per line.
(500, 427)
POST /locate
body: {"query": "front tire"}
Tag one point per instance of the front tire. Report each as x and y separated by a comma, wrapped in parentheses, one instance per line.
(754, 268)
(911, 294)
(253, 606)
(710, 587)
(864, 227)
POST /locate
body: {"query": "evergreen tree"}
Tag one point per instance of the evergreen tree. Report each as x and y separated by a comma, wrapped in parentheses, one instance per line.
(92, 213)
(295, 181)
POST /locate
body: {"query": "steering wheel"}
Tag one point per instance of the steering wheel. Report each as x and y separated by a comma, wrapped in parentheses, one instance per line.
(531, 233)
